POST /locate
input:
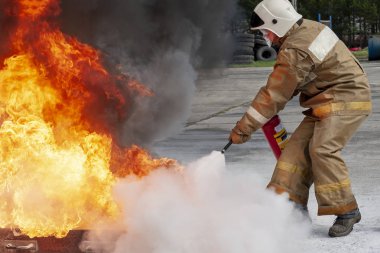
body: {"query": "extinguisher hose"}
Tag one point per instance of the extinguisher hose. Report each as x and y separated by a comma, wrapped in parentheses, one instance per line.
(226, 147)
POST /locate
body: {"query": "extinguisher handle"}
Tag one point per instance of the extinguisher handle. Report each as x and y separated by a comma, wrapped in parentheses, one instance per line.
(226, 147)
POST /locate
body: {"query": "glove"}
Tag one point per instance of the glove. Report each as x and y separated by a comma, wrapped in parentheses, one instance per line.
(238, 136)
(244, 128)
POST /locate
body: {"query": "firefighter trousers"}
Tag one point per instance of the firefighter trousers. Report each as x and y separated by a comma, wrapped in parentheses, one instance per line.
(313, 156)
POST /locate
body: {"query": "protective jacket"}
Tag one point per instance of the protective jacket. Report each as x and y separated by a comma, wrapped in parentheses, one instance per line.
(313, 62)
(333, 87)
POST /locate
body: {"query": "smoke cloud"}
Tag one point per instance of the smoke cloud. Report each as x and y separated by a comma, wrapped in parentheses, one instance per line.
(204, 209)
(160, 43)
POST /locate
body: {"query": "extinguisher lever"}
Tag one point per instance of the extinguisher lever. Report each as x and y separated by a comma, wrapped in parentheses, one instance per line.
(226, 147)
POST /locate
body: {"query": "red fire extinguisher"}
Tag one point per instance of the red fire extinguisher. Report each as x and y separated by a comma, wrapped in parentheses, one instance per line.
(276, 135)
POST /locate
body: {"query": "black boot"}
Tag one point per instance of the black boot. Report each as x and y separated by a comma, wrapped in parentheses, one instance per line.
(344, 224)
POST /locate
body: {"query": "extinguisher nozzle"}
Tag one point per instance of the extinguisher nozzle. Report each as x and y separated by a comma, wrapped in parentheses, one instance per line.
(226, 147)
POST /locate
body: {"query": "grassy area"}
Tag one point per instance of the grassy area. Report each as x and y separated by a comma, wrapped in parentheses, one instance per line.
(362, 54)
(256, 64)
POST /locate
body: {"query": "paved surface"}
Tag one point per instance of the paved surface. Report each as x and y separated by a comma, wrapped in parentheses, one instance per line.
(223, 96)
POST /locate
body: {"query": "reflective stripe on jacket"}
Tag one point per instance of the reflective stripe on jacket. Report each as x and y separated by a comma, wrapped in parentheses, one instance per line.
(314, 63)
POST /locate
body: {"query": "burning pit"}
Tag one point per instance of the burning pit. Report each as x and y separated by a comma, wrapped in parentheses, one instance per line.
(59, 158)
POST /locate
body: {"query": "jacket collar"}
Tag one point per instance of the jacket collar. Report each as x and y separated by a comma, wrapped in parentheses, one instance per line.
(292, 30)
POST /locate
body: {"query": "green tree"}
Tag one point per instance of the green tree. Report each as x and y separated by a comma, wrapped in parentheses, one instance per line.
(352, 19)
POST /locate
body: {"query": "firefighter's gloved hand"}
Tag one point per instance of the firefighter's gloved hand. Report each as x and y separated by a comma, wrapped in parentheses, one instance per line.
(238, 135)
(243, 130)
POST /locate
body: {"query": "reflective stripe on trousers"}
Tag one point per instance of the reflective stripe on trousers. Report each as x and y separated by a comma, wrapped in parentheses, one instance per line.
(312, 155)
(328, 109)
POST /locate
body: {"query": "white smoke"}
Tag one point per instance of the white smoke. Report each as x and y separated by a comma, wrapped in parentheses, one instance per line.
(204, 209)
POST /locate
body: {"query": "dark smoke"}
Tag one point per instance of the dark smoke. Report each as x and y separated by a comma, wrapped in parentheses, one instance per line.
(7, 25)
(160, 43)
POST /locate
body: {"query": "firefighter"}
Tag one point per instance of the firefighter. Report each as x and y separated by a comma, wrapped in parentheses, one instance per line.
(313, 63)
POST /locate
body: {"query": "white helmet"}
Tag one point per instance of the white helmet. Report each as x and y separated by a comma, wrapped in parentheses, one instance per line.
(277, 16)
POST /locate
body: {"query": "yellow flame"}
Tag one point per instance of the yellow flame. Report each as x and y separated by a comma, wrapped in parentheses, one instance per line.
(58, 166)
(47, 188)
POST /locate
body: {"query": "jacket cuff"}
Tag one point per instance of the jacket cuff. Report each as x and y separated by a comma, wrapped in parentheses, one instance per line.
(248, 125)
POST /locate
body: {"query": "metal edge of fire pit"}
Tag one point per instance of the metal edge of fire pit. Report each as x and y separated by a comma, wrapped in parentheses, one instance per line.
(11, 243)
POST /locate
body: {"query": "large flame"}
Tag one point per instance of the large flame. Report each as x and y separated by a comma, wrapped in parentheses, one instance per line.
(58, 159)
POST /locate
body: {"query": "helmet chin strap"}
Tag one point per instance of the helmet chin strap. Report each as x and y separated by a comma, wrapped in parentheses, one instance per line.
(265, 36)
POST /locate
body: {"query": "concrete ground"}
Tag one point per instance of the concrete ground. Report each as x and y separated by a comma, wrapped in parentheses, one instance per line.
(223, 96)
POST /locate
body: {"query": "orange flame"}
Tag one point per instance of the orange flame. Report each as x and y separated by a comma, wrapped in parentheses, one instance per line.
(140, 88)
(139, 162)
(55, 155)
